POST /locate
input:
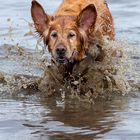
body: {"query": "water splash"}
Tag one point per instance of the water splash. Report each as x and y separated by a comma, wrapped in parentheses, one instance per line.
(90, 80)
(115, 74)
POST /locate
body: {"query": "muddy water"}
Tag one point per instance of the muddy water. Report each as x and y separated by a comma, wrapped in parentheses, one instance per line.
(24, 115)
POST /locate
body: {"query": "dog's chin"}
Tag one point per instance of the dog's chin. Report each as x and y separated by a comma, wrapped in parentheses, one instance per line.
(62, 60)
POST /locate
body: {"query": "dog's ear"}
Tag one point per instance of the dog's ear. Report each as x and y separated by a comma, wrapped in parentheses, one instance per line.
(40, 18)
(87, 17)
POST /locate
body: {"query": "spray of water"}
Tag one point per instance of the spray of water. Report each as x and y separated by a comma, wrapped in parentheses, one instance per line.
(117, 73)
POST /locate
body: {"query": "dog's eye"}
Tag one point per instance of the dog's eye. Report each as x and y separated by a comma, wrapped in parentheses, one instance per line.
(71, 35)
(53, 34)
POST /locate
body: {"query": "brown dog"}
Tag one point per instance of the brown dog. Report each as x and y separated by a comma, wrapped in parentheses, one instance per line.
(73, 34)
(74, 28)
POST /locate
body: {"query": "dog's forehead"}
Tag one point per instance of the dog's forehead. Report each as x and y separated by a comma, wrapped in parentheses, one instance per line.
(64, 22)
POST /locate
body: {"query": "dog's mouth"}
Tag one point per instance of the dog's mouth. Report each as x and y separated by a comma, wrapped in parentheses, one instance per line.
(62, 60)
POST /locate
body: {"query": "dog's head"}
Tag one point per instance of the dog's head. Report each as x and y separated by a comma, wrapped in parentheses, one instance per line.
(65, 36)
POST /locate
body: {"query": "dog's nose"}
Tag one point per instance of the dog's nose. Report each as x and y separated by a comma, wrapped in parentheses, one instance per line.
(61, 50)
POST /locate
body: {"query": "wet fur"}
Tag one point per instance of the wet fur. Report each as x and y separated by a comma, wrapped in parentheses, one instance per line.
(91, 21)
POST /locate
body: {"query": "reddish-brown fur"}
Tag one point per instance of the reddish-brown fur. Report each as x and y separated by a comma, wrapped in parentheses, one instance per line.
(73, 27)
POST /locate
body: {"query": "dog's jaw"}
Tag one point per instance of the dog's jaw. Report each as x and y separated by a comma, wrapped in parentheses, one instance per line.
(62, 61)
(64, 68)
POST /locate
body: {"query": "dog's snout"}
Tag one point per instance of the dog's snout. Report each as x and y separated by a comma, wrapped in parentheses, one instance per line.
(61, 50)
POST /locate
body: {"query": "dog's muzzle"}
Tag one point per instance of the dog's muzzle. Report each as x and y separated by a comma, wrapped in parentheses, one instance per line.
(61, 54)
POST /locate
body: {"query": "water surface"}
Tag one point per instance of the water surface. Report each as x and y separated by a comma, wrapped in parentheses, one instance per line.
(26, 116)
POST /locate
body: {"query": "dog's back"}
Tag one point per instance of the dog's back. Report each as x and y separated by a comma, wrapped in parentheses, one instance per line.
(104, 24)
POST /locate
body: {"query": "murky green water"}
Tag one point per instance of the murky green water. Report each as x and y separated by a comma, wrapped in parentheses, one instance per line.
(25, 115)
